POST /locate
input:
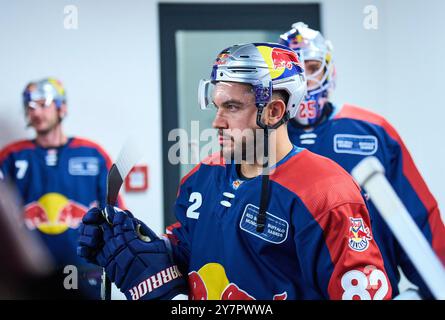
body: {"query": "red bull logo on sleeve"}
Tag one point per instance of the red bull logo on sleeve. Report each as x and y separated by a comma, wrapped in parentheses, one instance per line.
(53, 214)
(210, 282)
(359, 235)
(279, 60)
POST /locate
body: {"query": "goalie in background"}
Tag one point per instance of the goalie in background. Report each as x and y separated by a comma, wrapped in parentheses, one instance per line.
(58, 178)
(347, 134)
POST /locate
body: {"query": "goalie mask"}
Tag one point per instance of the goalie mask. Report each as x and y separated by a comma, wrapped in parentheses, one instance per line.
(316, 51)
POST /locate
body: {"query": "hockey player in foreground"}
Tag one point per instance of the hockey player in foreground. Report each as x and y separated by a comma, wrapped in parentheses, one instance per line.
(301, 233)
(349, 134)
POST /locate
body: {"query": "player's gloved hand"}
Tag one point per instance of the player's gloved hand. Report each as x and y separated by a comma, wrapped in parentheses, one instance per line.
(137, 260)
(91, 235)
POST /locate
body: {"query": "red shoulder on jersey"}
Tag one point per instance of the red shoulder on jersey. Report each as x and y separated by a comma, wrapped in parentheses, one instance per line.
(355, 112)
(82, 142)
(307, 172)
(16, 147)
(77, 142)
(215, 159)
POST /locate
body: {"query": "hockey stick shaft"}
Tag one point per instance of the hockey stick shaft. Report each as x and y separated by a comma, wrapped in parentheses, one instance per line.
(126, 160)
(370, 174)
(114, 183)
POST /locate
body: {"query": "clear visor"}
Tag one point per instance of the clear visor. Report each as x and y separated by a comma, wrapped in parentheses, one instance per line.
(230, 94)
(39, 104)
(39, 99)
(205, 90)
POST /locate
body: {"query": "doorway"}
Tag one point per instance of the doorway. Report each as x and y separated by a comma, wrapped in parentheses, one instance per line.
(191, 35)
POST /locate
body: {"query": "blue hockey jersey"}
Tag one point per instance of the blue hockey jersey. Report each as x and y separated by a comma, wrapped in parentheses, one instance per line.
(317, 243)
(351, 134)
(57, 186)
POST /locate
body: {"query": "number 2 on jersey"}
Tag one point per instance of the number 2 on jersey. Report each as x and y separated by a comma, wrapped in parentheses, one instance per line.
(196, 199)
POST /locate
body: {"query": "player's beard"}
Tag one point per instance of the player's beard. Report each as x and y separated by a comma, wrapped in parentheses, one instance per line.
(227, 152)
(247, 149)
(51, 124)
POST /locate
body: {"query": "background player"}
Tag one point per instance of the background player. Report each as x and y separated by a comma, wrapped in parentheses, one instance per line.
(347, 135)
(58, 178)
(314, 245)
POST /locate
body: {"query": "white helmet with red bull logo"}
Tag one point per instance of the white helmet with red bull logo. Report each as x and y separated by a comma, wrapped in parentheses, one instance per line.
(267, 67)
(311, 45)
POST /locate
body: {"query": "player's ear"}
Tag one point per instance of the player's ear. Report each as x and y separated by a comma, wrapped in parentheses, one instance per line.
(63, 111)
(275, 111)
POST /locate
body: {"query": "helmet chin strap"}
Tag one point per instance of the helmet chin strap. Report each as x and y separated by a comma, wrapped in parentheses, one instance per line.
(261, 218)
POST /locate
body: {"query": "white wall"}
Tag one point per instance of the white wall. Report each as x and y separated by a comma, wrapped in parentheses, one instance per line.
(416, 105)
(397, 71)
(110, 69)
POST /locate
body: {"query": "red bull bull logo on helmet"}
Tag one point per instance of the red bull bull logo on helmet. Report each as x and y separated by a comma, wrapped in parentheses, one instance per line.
(210, 282)
(222, 58)
(53, 214)
(297, 42)
(359, 235)
(280, 61)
